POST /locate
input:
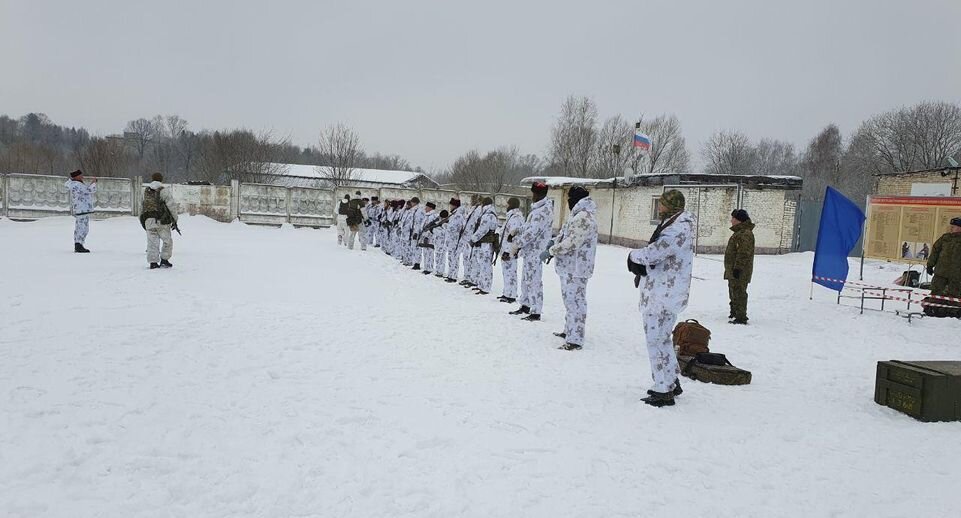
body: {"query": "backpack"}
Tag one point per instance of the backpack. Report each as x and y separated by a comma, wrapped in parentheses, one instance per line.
(690, 338)
(154, 207)
(714, 368)
(909, 278)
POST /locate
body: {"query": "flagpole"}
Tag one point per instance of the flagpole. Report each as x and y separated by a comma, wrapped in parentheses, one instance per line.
(811, 297)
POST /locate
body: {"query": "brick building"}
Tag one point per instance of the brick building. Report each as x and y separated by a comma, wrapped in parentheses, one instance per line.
(627, 207)
(928, 182)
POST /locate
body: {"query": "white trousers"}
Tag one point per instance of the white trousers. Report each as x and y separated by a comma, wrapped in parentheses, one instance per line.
(574, 293)
(658, 326)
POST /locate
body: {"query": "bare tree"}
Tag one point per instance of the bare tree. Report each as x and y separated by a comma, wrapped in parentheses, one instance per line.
(728, 152)
(774, 157)
(668, 153)
(574, 138)
(340, 147)
(106, 157)
(140, 133)
(820, 165)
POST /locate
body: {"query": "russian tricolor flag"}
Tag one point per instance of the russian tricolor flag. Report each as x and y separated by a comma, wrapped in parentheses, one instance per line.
(642, 141)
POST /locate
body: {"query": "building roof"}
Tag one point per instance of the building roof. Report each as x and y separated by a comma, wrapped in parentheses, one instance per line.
(382, 176)
(669, 179)
(944, 170)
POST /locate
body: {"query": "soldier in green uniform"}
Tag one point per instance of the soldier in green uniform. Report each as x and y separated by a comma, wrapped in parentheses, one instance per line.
(944, 265)
(739, 264)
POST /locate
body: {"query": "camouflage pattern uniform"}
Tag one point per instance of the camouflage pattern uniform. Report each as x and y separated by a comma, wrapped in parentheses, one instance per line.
(529, 244)
(81, 204)
(427, 254)
(484, 252)
(666, 288)
(945, 261)
(574, 261)
(739, 267)
(513, 224)
(455, 229)
(469, 254)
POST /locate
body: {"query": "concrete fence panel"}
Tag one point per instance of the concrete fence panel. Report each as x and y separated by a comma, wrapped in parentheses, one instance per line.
(311, 207)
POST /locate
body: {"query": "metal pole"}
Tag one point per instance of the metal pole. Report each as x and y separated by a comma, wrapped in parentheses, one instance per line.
(610, 235)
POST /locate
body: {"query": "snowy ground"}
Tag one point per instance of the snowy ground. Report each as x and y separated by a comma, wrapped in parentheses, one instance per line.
(271, 373)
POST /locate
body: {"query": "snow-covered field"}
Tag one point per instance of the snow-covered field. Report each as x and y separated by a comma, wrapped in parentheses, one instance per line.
(271, 373)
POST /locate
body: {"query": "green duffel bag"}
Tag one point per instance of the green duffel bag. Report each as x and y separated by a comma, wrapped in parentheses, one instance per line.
(713, 368)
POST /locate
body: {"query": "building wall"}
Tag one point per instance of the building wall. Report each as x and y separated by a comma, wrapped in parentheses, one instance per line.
(900, 184)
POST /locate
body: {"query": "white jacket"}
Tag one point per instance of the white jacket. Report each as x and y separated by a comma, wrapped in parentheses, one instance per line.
(81, 196)
(487, 222)
(455, 227)
(511, 227)
(669, 260)
(576, 244)
(536, 233)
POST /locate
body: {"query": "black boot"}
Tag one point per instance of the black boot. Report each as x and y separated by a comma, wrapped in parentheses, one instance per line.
(425, 272)
(79, 249)
(166, 264)
(659, 399)
(417, 266)
(532, 318)
(561, 335)
(522, 311)
(570, 347)
(739, 321)
(154, 266)
(450, 280)
(481, 292)
(677, 389)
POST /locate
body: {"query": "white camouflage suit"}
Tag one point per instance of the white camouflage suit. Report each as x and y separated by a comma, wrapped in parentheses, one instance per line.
(529, 244)
(512, 225)
(664, 294)
(467, 252)
(574, 261)
(416, 226)
(439, 238)
(81, 204)
(426, 254)
(484, 252)
(455, 228)
(403, 236)
(373, 215)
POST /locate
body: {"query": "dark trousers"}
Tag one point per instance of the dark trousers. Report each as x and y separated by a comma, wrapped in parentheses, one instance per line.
(737, 292)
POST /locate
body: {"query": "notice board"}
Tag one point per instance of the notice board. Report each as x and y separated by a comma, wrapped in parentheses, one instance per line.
(904, 228)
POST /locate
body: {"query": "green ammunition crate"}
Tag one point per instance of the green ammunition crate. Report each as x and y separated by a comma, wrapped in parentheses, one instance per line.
(927, 390)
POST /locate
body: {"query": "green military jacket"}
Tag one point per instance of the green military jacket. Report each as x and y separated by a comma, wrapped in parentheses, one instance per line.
(946, 257)
(740, 252)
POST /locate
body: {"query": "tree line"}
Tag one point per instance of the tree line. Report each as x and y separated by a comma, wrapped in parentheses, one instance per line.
(34, 144)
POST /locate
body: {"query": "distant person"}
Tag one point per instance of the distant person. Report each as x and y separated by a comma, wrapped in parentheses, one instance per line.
(574, 252)
(158, 218)
(512, 226)
(81, 206)
(456, 224)
(924, 252)
(944, 266)
(355, 223)
(664, 268)
(905, 250)
(342, 228)
(739, 264)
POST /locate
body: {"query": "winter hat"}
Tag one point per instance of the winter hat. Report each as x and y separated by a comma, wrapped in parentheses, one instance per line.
(577, 193)
(444, 214)
(156, 177)
(374, 198)
(415, 199)
(357, 193)
(513, 203)
(431, 205)
(674, 201)
(487, 201)
(740, 215)
(539, 188)
(956, 221)
(455, 202)
(76, 173)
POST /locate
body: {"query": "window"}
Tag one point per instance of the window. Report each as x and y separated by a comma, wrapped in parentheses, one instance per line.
(655, 210)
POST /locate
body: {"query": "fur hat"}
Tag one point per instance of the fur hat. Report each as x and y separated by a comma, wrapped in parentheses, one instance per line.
(740, 215)
(415, 199)
(76, 173)
(513, 203)
(374, 198)
(487, 201)
(455, 202)
(577, 193)
(674, 201)
(539, 188)
(431, 205)
(444, 214)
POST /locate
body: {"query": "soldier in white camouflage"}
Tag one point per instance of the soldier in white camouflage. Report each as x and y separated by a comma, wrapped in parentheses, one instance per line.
(81, 205)
(533, 239)
(663, 269)
(512, 226)
(455, 229)
(482, 242)
(574, 254)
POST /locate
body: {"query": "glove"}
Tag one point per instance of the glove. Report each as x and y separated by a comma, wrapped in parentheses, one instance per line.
(930, 270)
(736, 273)
(505, 256)
(546, 256)
(636, 268)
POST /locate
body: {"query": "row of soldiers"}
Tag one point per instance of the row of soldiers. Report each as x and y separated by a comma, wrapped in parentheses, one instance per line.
(470, 238)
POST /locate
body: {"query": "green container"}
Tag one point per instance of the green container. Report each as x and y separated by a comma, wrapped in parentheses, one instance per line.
(927, 391)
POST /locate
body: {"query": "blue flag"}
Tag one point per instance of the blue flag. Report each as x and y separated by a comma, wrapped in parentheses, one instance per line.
(841, 224)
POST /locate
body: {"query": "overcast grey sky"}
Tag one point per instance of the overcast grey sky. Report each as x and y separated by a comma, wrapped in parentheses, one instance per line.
(431, 79)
